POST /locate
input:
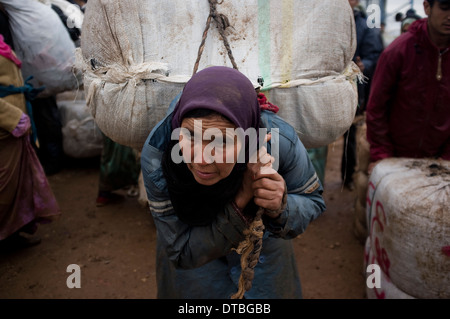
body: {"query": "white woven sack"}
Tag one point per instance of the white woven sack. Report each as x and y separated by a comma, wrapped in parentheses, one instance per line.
(320, 111)
(81, 136)
(137, 55)
(409, 224)
(387, 289)
(44, 46)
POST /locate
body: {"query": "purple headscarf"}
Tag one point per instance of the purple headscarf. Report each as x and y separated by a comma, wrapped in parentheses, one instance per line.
(223, 90)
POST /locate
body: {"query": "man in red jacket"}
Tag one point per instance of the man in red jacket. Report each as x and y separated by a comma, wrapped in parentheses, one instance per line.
(408, 113)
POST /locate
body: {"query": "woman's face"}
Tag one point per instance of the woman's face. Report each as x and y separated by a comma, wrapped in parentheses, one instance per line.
(206, 155)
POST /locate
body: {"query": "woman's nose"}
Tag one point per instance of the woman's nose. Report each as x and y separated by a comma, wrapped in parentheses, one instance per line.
(201, 156)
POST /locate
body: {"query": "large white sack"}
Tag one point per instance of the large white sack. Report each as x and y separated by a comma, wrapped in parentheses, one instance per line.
(408, 217)
(44, 46)
(387, 289)
(137, 55)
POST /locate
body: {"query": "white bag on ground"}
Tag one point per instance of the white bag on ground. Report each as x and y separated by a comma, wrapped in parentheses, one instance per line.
(81, 136)
(409, 224)
(387, 289)
(134, 66)
(44, 46)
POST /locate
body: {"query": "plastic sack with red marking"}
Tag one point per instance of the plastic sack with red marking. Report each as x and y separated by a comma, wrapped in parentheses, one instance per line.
(408, 218)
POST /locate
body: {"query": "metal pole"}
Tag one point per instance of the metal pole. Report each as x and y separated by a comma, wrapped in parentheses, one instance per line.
(383, 11)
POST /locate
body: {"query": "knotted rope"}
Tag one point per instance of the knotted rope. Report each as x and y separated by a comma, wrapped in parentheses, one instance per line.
(250, 249)
(222, 23)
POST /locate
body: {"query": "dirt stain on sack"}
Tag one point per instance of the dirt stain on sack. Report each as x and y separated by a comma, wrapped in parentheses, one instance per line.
(431, 170)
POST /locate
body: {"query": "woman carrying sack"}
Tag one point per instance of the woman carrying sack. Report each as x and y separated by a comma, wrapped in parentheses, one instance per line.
(209, 207)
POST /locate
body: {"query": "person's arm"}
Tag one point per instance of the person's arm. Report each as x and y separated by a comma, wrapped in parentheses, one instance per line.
(290, 196)
(10, 114)
(377, 113)
(304, 192)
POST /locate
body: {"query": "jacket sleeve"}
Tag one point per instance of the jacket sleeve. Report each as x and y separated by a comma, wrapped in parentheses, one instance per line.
(304, 191)
(186, 246)
(9, 115)
(377, 113)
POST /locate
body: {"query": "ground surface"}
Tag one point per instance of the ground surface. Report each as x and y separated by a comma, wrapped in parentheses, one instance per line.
(115, 245)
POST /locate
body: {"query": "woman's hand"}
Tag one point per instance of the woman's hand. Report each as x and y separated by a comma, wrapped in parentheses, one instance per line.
(268, 191)
(262, 183)
(23, 127)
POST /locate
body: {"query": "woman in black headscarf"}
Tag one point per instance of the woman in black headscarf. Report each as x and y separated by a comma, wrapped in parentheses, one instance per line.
(203, 199)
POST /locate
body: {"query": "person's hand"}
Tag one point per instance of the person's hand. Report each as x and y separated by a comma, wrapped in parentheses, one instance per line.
(23, 127)
(262, 183)
(360, 64)
(269, 190)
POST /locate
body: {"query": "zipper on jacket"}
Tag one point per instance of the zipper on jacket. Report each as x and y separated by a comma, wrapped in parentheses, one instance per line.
(439, 70)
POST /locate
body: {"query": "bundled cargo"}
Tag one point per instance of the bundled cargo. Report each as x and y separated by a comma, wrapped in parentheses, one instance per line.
(408, 217)
(137, 55)
(43, 44)
(81, 136)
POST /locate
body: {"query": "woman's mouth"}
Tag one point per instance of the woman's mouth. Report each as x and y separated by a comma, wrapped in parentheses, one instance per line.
(204, 175)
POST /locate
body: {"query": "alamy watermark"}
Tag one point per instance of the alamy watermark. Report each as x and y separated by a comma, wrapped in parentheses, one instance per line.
(235, 146)
(74, 280)
(373, 16)
(374, 278)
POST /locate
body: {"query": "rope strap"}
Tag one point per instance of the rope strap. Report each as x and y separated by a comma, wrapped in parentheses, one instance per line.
(250, 249)
(222, 23)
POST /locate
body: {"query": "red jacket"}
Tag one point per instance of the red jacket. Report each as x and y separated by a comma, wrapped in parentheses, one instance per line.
(408, 113)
